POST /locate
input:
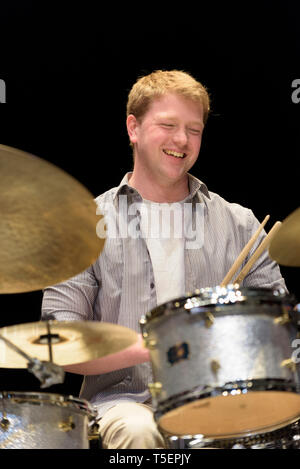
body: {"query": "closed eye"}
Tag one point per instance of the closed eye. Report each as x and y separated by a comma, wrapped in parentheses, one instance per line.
(164, 124)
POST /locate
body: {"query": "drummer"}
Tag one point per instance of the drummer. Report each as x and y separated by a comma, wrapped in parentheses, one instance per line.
(167, 234)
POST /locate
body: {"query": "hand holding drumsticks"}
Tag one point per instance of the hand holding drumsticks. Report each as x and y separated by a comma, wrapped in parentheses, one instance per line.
(238, 262)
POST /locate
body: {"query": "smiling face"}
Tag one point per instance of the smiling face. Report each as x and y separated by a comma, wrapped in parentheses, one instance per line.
(166, 140)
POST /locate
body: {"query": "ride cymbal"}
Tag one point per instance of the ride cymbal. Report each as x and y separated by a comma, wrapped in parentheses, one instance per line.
(47, 224)
(72, 341)
(285, 247)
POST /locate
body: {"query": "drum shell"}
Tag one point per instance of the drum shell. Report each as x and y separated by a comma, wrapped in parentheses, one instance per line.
(44, 421)
(245, 342)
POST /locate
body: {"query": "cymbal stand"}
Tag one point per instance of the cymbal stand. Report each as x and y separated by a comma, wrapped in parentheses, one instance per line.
(48, 373)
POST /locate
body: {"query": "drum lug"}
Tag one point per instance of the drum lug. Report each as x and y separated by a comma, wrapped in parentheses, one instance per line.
(215, 366)
(150, 344)
(283, 319)
(290, 364)
(143, 321)
(67, 426)
(4, 422)
(155, 388)
(209, 319)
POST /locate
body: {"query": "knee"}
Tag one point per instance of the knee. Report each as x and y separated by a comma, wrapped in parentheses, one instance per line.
(135, 431)
(140, 432)
(136, 425)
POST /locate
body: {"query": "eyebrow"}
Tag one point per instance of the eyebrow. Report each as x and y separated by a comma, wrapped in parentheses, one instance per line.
(200, 123)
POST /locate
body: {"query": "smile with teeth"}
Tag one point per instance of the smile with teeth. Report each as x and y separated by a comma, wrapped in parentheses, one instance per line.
(174, 153)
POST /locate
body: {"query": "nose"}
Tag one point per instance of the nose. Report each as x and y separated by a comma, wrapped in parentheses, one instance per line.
(180, 137)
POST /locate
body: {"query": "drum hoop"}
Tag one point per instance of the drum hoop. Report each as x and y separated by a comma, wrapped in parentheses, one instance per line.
(220, 297)
(264, 437)
(37, 398)
(230, 388)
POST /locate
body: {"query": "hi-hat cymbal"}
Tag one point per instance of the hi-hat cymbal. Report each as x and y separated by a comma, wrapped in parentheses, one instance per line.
(285, 247)
(47, 223)
(72, 341)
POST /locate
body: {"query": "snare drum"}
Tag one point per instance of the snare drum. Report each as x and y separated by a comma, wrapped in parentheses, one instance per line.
(44, 421)
(222, 362)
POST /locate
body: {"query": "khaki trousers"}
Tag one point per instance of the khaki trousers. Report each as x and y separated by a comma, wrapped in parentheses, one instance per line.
(130, 425)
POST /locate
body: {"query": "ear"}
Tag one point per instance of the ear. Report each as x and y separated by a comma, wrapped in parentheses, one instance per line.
(132, 124)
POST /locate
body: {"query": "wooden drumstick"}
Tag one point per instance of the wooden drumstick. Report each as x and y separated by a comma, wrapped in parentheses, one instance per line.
(264, 245)
(239, 260)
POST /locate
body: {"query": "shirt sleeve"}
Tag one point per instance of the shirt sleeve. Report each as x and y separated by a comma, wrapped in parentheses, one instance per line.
(71, 300)
(265, 272)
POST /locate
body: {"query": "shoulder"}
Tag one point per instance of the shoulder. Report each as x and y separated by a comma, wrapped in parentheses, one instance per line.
(217, 207)
(107, 196)
(110, 195)
(229, 211)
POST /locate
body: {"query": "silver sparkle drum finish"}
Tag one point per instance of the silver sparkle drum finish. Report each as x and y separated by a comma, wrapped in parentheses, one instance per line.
(222, 362)
(44, 421)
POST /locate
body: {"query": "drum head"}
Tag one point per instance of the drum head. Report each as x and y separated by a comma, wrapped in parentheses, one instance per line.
(233, 416)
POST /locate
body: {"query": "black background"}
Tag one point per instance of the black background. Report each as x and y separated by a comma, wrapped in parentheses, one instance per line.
(68, 67)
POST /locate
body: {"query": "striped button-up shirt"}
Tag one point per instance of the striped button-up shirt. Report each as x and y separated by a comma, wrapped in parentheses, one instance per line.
(120, 286)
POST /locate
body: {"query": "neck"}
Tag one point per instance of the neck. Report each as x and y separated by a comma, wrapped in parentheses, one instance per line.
(159, 191)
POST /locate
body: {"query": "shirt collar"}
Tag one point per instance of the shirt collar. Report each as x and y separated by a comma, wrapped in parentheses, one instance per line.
(195, 185)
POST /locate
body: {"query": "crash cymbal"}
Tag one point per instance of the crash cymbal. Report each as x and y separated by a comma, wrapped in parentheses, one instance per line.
(72, 341)
(285, 247)
(47, 223)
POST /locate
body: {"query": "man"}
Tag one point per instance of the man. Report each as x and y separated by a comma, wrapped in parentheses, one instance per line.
(139, 266)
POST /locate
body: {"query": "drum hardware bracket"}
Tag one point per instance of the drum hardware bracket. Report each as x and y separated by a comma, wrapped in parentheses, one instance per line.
(67, 426)
(178, 352)
(94, 431)
(48, 373)
(155, 388)
(290, 364)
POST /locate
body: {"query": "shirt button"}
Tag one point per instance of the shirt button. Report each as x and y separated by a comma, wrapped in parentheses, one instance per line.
(151, 285)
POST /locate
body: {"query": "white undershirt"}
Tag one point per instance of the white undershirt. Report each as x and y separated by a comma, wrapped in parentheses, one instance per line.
(165, 242)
